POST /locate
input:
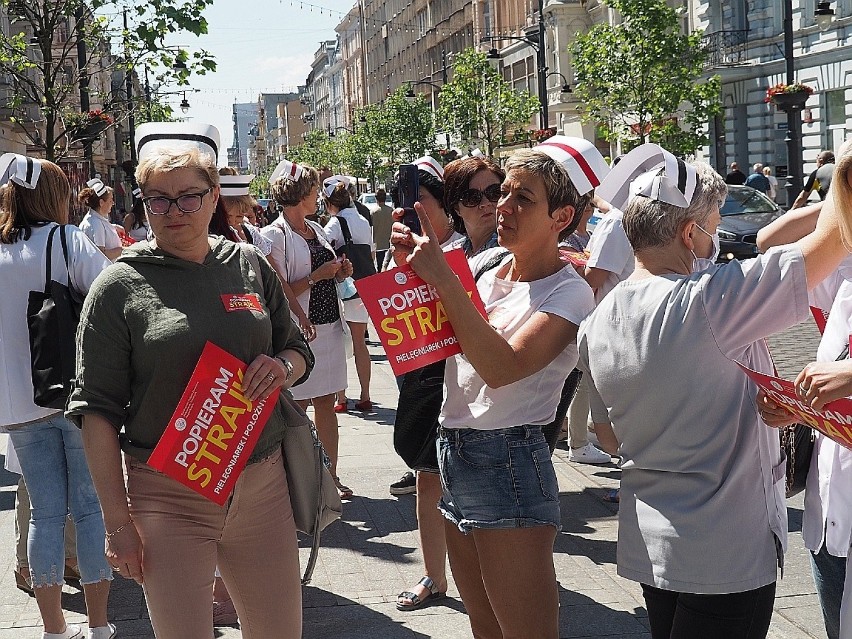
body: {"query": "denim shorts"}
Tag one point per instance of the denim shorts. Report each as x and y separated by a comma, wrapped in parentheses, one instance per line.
(497, 478)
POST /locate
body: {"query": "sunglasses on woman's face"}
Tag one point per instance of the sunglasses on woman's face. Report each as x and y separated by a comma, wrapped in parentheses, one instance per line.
(473, 197)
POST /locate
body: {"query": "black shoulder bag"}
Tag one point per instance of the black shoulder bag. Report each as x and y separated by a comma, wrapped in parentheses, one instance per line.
(52, 318)
(797, 442)
(421, 394)
(361, 255)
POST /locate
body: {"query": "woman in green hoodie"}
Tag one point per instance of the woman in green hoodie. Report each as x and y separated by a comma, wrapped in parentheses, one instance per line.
(143, 329)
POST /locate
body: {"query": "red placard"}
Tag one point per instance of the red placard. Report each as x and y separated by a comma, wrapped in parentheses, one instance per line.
(410, 318)
(820, 317)
(834, 420)
(214, 428)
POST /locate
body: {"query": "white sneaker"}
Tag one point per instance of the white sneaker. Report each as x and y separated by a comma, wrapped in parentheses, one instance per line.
(72, 631)
(588, 454)
(102, 632)
(593, 438)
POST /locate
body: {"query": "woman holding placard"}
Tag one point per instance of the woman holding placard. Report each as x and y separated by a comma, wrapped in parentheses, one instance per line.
(701, 473)
(500, 494)
(144, 326)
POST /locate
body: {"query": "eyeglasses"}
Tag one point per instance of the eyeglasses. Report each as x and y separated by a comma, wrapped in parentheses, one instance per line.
(188, 203)
(473, 197)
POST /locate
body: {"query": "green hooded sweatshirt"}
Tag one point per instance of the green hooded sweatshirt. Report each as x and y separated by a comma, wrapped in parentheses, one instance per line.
(145, 322)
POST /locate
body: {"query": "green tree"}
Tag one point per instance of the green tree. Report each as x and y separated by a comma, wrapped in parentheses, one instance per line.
(640, 81)
(318, 150)
(48, 70)
(479, 107)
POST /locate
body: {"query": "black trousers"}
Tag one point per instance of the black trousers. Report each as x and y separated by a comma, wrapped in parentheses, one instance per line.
(680, 615)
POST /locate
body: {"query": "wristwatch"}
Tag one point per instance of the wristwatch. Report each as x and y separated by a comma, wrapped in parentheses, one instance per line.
(287, 364)
(311, 282)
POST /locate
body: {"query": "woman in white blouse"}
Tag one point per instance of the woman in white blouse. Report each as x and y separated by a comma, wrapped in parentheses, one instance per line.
(95, 224)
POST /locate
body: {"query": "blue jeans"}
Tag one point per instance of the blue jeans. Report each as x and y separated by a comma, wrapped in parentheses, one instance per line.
(829, 576)
(497, 478)
(57, 477)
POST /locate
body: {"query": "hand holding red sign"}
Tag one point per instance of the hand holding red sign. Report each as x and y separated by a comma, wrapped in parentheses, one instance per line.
(820, 383)
(215, 426)
(409, 316)
(833, 419)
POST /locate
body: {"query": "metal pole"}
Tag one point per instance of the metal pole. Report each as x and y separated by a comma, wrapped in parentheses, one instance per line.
(794, 118)
(541, 63)
(79, 17)
(131, 120)
(148, 95)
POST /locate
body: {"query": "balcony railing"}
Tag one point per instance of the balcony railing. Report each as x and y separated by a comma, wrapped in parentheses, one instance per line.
(725, 48)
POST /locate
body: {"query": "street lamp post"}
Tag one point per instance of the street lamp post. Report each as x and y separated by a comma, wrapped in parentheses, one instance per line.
(794, 117)
(537, 43)
(410, 97)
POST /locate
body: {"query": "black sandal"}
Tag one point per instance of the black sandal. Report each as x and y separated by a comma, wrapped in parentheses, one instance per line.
(414, 601)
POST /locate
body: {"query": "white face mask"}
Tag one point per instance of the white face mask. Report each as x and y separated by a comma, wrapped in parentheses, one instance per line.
(703, 263)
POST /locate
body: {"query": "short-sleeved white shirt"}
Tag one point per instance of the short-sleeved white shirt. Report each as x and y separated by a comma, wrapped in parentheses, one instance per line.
(359, 227)
(610, 250)
(99, 229)
(702, 485)
(828, 498)
(23, 268)
(469, 402)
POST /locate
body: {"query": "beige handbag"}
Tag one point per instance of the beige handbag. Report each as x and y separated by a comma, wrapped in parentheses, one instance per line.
(313, 493)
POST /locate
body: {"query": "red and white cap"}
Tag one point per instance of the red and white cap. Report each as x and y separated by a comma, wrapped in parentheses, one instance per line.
(330, 183)
(235, 185)
(430, 165)
(584, 163)
(650, 171)
(287, 170)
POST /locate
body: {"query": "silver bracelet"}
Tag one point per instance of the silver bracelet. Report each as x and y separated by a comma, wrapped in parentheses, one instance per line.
(110, 535)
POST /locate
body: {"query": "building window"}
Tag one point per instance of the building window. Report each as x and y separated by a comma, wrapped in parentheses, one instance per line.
(422, 22)
(835, 107)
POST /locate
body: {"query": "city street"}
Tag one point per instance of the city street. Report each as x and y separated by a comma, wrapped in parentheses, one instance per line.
(373, 553)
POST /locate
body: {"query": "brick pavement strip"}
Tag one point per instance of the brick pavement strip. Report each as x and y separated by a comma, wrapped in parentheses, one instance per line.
(373, 553)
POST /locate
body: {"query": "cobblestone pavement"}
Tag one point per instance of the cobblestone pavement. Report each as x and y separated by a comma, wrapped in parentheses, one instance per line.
(373, 553)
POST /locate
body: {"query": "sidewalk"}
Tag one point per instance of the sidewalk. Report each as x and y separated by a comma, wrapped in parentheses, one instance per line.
(373, 553)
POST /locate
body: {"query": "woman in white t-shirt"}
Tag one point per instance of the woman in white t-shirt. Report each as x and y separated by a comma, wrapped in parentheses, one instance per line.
(95, 224)
(49, 447)
(500, 494)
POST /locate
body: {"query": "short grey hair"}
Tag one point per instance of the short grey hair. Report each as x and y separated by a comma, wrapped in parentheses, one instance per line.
(653, 224)
(560, 189)
(758, 167)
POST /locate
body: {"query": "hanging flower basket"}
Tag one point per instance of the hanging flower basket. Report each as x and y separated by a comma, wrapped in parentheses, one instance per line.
(87, 126)
(540, 135)
(788, 96)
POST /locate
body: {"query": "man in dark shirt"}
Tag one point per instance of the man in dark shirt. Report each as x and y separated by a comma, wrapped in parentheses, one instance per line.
(757, 180)
(735, 176)
(818, 180)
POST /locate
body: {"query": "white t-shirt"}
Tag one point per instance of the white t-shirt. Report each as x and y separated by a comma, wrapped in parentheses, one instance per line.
(828, 498)
(610, 250)
(359, 227)
(99, 229)
(469, 402)
(22, 265)
(823, 294)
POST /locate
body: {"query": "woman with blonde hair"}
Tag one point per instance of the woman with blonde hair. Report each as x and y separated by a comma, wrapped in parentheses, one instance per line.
(155, 310)
(33, 229)
(99, 198)
(305, 259)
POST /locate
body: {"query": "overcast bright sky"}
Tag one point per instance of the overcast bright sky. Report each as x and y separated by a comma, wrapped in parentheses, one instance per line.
(260, 46)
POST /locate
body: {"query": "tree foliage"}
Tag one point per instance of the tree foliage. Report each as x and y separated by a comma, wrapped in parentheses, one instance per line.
(479, 107)
(385, 135)
(47, 72)
(639, 81)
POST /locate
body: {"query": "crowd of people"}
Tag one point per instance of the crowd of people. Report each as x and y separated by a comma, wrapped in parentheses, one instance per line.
(600, 321)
